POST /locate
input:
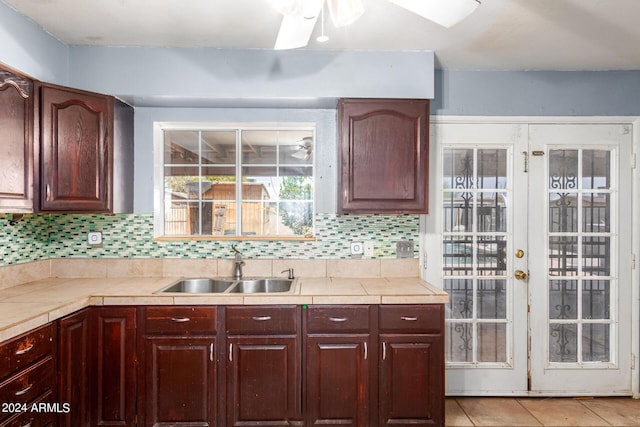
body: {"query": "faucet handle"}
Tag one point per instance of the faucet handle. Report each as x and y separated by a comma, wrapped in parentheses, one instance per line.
(289, 271)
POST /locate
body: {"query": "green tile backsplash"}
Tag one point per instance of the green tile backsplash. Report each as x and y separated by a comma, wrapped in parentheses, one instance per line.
(37, 237)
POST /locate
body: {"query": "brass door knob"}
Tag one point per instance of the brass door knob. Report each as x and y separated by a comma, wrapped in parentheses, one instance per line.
(521, 275)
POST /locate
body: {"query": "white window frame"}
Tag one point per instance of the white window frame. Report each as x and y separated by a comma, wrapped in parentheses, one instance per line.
(159, 129)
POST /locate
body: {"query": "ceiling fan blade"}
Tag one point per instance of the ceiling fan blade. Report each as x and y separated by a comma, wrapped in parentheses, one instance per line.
(295, 31)
(443, 12)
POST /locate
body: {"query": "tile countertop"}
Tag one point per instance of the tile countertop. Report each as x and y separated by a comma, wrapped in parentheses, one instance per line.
(27, 306)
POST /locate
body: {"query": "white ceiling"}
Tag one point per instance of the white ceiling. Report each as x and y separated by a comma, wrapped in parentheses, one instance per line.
(500, 34)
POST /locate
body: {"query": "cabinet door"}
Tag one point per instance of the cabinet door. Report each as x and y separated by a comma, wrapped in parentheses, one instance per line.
(114, 366)
(411, 384)
(77, 150)
(263, 381)
(384, 151)
(337, 382)
(179, 381)
(16, 142)
(74, 369)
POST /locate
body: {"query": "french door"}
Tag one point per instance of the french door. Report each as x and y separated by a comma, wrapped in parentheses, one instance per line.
(532, 241)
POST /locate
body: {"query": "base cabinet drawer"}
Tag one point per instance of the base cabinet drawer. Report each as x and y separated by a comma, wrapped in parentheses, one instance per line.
(41, 413)
(29, 384)
(22, 351)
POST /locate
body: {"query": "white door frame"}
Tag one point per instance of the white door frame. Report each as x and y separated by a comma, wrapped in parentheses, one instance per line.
(430, 225)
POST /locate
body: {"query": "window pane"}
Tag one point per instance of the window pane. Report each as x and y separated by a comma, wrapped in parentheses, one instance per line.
(492, 168)
(595, 343)
(296, 148)
(458, 169)
(492, 255)
(492, 299)
(491, 211)
(563, 213)
(492, 342)
(596, 299)
(563, 256)
(295, 218)
(596, 172)
(218, 147)
(596, 253)
(460, 298)
(595, 213)
(563, 169)
(459, 341)
(563, 343)
(457, 255)
(181, 147)
(563, 299)
(259, 146)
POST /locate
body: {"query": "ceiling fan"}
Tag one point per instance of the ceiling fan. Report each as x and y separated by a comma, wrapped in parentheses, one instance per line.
(300, 16)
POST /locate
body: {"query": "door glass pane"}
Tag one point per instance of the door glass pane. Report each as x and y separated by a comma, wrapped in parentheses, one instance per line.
(580, 192)
(596, 299)
(492, 342)
(460, 298)
(563, 299)
(595, 343)
(459, 341)
(492, 299)
(563, 343)
(476, 238)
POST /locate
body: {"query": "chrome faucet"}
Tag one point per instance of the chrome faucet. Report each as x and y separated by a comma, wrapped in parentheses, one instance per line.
(237, 274)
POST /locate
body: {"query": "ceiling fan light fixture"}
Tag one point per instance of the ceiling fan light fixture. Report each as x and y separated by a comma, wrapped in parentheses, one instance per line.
(443, 12)
(345, 12)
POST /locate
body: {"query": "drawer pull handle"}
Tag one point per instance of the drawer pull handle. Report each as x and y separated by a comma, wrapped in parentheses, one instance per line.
(24, 350)
(338, 319)
(409, 319)
(29, 424)
(24, 391)
(180, 319)
(366, 351)
(261, 318)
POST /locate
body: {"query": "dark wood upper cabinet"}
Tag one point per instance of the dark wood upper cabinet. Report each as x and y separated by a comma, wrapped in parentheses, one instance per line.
(384, 155)
(16, 142)
(76, 137)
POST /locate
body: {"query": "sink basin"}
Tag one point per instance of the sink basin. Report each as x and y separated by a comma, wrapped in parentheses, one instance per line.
(198, 286)
(219, 286)
(261, 286)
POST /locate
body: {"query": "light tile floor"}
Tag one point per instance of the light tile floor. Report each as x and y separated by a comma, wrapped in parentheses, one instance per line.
(539, 411)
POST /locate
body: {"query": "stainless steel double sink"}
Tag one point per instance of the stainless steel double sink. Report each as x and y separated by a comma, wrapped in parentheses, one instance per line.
(230, 286)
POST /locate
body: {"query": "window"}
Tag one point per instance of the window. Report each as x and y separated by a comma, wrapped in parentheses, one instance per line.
(249, 181)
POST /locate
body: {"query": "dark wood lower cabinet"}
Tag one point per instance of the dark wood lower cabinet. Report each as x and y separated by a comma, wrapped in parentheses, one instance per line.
(337, 371)
(179, 381)
(96, 368)
(244, 366)
(113, 373)
(263, 373)
(74, 372)
(411, 381)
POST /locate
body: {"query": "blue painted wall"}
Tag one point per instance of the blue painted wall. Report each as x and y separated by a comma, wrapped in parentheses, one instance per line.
(537, 93)
(25, 47)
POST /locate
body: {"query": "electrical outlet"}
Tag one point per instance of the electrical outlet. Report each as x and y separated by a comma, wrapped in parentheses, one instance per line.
(356, 248)
(368, 249)
(404, 249)
(94, 238)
